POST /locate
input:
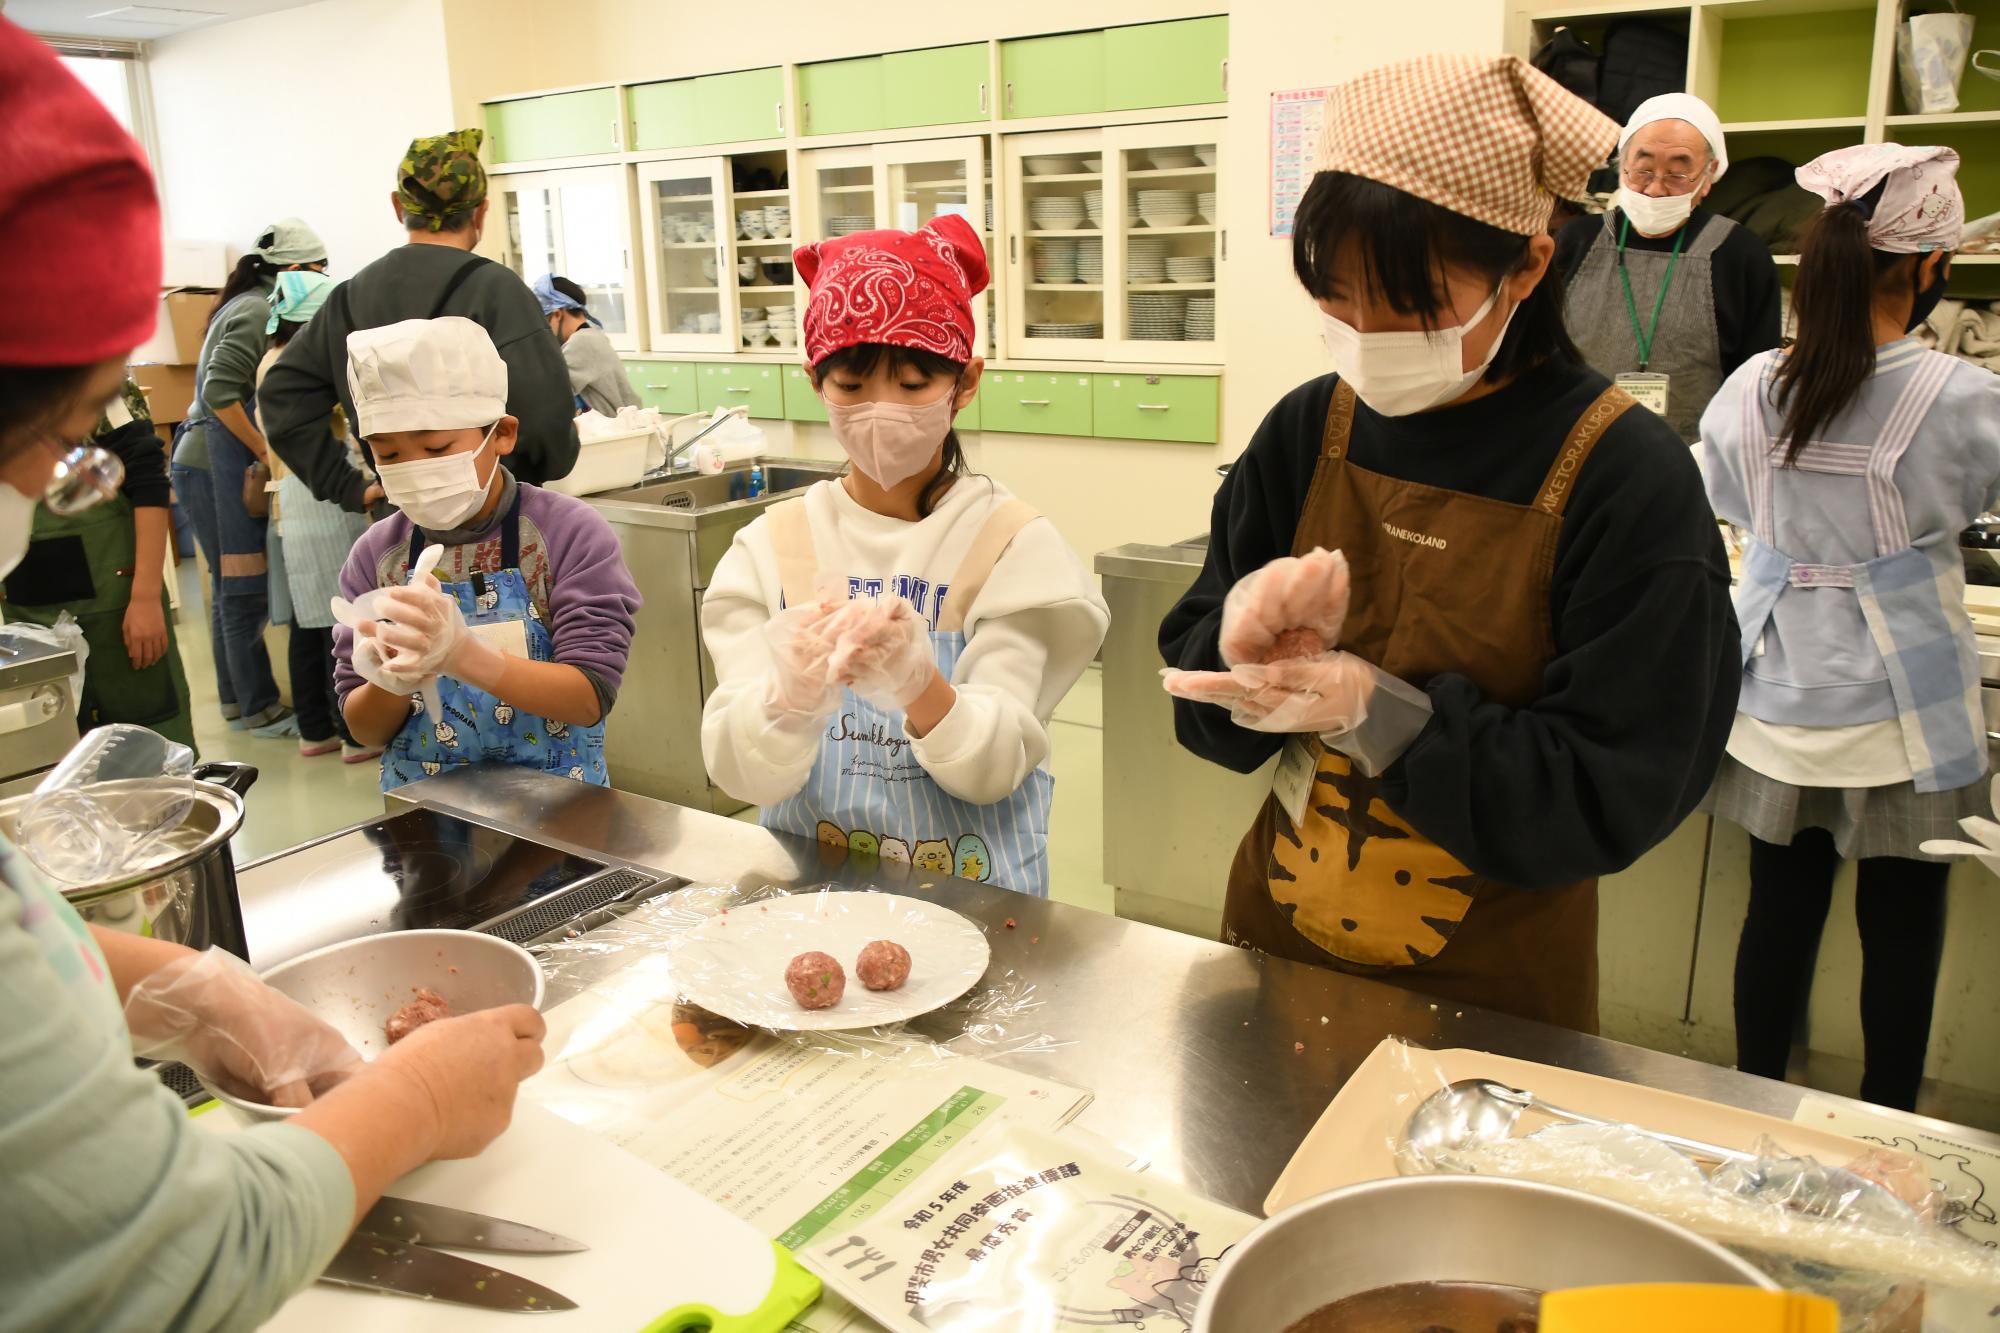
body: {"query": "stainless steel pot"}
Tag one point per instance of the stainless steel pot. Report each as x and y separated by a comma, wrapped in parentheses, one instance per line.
(1449, 1229)
(188, 893)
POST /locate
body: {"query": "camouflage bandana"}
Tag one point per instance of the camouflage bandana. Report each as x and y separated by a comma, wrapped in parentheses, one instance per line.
(441, 176)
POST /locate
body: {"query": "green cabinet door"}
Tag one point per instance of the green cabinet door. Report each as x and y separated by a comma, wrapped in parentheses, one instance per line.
(841, 96)
(968, 417)
(530, 129)
(664, 115)
(1156, 407)
(749, 104)
(943, 86)
(759, 387)
(1165, 64)
(1052, 76)
(666, 385)
(1035, 402)
(801, 403)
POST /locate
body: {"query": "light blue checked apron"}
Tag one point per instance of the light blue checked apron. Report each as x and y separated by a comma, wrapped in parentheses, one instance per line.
(1915, 615)
(477, 728)
(867, 792)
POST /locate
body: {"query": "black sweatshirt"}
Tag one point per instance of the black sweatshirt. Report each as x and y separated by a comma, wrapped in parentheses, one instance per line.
(1637, 704)
(298, 396)
(1749, 315)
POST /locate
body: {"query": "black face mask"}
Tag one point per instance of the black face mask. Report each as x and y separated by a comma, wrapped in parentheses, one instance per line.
(1927, 298)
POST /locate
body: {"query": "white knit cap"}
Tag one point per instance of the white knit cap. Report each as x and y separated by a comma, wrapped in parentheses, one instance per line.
(425, 374)
(1679, 106)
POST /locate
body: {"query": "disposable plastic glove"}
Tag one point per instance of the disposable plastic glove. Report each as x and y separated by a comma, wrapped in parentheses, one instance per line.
(1293, 607)
(211, 1012)
(802, 642)
(420, 629)
(1314, 694)
(884, 651)
(370, 659)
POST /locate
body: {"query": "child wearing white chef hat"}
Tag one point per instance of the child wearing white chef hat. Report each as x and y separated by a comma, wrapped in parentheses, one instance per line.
(520, 637)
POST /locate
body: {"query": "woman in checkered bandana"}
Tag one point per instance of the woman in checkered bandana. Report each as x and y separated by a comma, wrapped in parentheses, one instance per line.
(1523, 674)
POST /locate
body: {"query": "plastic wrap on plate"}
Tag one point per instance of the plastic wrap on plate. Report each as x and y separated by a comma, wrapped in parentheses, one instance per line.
(102, 812)
(1870, 1234)
(724, 951)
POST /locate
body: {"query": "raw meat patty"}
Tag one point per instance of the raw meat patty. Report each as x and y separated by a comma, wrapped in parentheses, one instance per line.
(1296, 643)
(882, 965)
(815, 980)
(427, 1007)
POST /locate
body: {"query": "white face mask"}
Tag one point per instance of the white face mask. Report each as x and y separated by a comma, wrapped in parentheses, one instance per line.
(1400, 373)
(892, 442)
(17, 522)
(1655, 215)
(438, 493)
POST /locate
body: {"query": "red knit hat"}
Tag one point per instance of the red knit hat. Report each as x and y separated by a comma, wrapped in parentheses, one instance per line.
(902, 288)
(79, 222)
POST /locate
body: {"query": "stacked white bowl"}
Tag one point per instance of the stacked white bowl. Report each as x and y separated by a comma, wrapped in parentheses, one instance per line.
(1146, 259)
(679, 227)
(1057, 165)
(1166, 208)
(709, 268)
(1173, 159)
(1090, 260)
(1190, 268)
(1204, 204)
(709, 321)
(1093, 206)
(1055, 330)
(846, 224)
(746, 269)
(1054, 260)
(1056, 212)
(1156, 316)
(756, 328)
(750, 224)
(778, 221)
(784, 323)
(1200, 327)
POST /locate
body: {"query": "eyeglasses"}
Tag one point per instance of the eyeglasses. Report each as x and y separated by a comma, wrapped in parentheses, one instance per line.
(1676, 182)
(84, 476)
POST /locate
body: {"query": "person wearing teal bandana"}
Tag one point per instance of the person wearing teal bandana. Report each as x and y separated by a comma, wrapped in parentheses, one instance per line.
(595, 372)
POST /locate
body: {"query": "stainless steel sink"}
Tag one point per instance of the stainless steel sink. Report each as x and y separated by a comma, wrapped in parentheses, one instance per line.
(673, 533)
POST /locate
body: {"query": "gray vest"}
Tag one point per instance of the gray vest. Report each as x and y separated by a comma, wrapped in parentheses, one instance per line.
(1685, 346)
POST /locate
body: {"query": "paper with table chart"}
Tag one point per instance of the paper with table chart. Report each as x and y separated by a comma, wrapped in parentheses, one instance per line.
(789, 1138)
(1966, 1174)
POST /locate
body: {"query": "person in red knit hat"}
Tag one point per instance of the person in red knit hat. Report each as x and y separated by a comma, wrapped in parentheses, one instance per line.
(889, 646)
(120, 1213)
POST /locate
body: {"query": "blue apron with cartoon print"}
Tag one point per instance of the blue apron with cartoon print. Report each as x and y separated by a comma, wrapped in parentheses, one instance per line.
(868, 793)
(477, 728)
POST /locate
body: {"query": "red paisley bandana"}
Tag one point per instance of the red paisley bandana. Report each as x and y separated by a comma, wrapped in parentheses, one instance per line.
(901, 288)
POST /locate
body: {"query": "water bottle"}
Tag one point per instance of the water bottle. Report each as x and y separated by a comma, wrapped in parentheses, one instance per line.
(756, 480)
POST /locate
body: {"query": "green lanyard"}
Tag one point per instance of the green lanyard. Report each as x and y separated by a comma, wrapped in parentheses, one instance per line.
(1644, 337)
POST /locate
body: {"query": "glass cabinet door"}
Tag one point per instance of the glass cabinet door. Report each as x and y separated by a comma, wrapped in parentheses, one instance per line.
(686, 245)
(931, 178)
(575, 224)
(1170, 242)
(1059, 246)
(762, 236)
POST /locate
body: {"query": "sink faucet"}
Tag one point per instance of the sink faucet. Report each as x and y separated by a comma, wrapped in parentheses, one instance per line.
(679, 451)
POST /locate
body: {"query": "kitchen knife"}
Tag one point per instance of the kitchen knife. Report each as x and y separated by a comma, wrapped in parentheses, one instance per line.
(456, 1229)
(380, 1263)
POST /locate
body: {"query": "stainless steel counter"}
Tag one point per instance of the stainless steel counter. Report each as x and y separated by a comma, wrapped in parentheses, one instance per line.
(1186, 1043)
(37, 710)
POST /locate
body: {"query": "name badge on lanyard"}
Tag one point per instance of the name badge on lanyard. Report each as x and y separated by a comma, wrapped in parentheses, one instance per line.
(1648, 390)
(509, 636)
(1293, 782)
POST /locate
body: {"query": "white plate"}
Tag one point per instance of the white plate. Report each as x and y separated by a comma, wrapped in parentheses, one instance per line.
(733, 964)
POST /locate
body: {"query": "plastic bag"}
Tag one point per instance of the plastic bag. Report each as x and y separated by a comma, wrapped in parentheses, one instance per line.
(65, 634)
(1866, 1235)
(1930, 60)
(102, 811)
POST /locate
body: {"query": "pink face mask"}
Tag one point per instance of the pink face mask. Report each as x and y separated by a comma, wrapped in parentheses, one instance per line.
(892, 442)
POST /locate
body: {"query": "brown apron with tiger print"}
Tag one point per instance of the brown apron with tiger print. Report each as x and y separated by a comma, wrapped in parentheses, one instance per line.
(1442, 581)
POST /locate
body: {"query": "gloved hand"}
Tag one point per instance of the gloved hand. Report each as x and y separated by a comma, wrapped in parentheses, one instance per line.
(802, 641)
(420, 630)
(1312, 694)
(211, 1012)
(372, 662)
(1293, 607)
(883, 651)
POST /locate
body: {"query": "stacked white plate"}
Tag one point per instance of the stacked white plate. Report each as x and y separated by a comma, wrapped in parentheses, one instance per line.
(846, 224)
(1156, 316)
(1093, 206)
(750, 224)
(1052, 166)
(1173, 159)
(1204, 204)
(1090, 260)
(756, 329)
(1065, 330)
(1146, 259)
(778, 221)
(784, 324)
(1054, 260)
(1200, 326)
(1190, 268)
(1056, 212)
(1166, 208)
(989, 214)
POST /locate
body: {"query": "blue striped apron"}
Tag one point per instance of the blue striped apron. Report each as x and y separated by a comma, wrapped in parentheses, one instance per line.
(867, 792)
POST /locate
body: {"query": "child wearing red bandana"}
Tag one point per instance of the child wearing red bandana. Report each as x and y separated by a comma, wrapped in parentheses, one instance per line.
(890, 645)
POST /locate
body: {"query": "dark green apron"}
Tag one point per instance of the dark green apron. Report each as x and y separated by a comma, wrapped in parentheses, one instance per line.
(83, 565)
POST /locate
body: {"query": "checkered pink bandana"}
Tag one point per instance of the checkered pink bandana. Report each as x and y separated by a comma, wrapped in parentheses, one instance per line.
(1484, 136)
(900, 288)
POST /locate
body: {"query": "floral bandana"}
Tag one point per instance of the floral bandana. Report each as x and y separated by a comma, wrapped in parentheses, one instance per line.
(900, 288)
(1921, 208)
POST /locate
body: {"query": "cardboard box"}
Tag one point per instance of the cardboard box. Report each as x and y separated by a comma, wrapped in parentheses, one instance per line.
(176, 341)
(169, 391)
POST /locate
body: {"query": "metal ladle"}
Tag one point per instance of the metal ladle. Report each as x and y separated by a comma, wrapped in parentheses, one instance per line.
(1476, 1111)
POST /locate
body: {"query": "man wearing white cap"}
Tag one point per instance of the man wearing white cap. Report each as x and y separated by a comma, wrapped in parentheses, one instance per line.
(1663, 297)
(519, 640)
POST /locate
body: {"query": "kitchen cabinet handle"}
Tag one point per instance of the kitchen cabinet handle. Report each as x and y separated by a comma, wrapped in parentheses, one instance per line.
(1034, 402)
(1225, 76)
(982, 97)
(778, 110)
(737, 388)
(805, 118)
(614, 136)
(1153, 407)
(1225, 245)
(1010, 97)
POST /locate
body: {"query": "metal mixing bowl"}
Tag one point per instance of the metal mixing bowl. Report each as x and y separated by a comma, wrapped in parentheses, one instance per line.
(358, 984)
(1449, 1229)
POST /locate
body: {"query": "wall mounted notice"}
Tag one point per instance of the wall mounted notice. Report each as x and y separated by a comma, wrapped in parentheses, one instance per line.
(1295, 124)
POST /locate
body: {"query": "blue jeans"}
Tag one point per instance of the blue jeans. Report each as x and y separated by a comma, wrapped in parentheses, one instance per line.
(240, 605)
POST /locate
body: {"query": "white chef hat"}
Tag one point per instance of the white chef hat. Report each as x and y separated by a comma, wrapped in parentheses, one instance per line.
(425, 374)
(1679, 106)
